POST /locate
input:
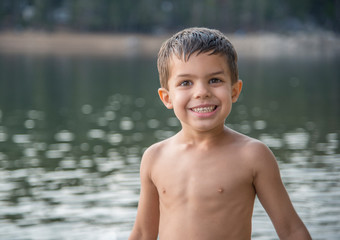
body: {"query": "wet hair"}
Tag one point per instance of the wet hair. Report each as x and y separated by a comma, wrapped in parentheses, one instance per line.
(195, 41)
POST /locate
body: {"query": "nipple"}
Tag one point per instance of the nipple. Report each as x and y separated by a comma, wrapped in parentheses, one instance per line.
(163, 190)
(220, 190)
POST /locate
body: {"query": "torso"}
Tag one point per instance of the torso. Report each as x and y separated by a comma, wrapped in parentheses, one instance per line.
(204, 194)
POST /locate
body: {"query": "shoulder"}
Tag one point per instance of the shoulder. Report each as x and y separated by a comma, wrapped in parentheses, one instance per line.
(154, 153)
(255, 152)
(255, 149)
(152, 159)
(262, 160)
(155, 150)
(248, 145)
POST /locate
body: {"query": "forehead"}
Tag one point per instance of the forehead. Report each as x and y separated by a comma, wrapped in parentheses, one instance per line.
(198, 64)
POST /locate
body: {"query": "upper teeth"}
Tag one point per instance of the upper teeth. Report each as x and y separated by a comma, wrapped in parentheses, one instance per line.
(204, 109)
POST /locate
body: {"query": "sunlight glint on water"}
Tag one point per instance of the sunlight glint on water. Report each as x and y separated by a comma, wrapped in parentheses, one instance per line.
(70, 169)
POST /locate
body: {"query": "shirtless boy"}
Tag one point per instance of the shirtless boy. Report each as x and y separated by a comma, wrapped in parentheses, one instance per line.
(201, 183)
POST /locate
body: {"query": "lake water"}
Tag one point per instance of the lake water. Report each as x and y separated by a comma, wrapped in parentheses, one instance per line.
(72, 131)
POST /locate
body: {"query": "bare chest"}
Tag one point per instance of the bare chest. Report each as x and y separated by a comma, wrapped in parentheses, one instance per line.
(202, 180)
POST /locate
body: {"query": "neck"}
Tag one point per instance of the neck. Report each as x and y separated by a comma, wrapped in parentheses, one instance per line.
(202, 139)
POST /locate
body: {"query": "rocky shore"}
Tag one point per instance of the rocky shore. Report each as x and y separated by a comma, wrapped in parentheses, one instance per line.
(257, 45)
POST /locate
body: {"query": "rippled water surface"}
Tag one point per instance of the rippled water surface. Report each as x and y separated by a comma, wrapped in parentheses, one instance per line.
(72, 131)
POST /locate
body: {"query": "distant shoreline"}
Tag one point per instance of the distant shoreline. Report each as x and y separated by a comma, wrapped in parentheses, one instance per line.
(257, 45)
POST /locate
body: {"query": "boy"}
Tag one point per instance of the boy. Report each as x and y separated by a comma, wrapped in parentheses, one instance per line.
(201, 183)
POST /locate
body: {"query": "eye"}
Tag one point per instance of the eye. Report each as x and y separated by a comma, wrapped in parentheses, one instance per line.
(185, 83)
(215, 80)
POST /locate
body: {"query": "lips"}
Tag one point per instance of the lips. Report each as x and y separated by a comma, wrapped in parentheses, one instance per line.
(204, 109)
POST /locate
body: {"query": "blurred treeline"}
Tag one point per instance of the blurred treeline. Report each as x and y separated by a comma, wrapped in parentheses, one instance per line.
(156, 16)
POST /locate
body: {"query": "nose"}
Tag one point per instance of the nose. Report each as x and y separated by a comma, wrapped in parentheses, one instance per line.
(201, 91)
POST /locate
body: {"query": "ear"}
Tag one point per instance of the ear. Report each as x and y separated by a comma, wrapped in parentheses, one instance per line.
(236, 90)
(165, 97)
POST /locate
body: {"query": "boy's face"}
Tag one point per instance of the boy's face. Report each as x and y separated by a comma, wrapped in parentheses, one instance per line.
(200, 91)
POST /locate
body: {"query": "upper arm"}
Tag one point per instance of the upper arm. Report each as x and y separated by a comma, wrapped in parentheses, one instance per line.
(147, 220)
(273, 195)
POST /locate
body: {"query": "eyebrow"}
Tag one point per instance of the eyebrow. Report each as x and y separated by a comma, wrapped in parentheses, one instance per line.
(208, 75)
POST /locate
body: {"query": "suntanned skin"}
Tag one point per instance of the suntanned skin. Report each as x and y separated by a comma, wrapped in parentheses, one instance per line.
(201, 183)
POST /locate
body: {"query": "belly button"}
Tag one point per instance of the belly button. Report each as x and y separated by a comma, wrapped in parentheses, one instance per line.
(220, 190)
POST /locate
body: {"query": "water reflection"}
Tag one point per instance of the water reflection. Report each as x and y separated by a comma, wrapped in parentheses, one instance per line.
(70, 170)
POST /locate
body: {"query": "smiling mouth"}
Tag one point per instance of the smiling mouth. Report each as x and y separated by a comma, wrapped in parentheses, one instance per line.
(204, 109)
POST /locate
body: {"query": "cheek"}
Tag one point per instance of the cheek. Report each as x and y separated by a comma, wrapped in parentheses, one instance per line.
(224, 94)
(178, 98)
(179, 103)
